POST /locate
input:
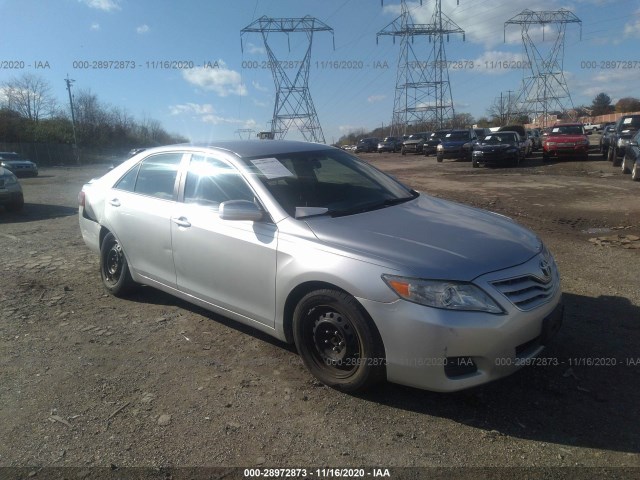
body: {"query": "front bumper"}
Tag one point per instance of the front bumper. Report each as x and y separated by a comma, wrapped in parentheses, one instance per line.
(445, 350)
(567, 149)
(495, 158)
(412, 148)
(456, 153)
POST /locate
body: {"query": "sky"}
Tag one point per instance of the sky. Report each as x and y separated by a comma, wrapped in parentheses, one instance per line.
(220, 83)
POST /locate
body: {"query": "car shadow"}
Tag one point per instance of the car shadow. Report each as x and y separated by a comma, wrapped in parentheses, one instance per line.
(32, 212)
(587, 395)
(584, 394)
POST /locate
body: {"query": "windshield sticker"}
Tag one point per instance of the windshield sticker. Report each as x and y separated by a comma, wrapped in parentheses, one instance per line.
(627, 121)
(272, 168)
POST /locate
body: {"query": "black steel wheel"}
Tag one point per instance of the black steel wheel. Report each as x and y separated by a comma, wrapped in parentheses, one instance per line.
(114, 268)
(337, 341)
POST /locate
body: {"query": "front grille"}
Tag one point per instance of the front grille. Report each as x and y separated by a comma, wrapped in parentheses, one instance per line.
(529, 291)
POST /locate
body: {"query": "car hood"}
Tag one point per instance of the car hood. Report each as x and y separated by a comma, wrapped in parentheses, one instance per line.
(493, 147)
(566, 138)
(431, 238)
(454, 143)
(17, 163)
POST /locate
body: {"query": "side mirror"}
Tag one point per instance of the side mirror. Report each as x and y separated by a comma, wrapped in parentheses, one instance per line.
(240, 210)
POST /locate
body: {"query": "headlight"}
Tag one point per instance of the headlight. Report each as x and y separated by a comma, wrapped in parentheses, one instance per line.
(551, 144)
(623, 142)
(440, 147)
(477, 153)
(442, 294)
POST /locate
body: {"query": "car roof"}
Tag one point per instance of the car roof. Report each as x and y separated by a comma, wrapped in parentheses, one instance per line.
(252, 148)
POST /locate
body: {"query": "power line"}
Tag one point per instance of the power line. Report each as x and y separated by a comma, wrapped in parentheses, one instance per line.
(423, 92)
(293, 103)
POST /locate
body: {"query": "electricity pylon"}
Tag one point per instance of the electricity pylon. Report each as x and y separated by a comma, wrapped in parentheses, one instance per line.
(423, 93)
(544, 89)
(293, 105)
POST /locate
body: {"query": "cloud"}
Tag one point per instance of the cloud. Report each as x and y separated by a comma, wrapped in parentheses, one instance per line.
(632, 29)
(259, 87)
(254, 49)
(95, 27)
(221, 80)
(485, 24)
(142, 29)
(376, 98)
(205, 113)
(104, 5)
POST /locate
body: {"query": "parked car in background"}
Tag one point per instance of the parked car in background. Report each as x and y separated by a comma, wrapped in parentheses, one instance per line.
(535, 138)
(500, 148)
(592, 127)
(624, 129)
(430, 147)
(605, 139)
(631, 159)
(11, 196)
(521, 131)
(367, 145)
(367, 277)
(414, 143)
(457, 144)
(390, 144)
(482, 132)
(566, 140)
(21, 167)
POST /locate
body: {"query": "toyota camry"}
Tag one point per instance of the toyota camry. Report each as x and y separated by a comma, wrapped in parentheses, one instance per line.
(370, 279)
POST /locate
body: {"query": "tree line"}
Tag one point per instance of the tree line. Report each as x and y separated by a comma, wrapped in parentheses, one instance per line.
(30, 113)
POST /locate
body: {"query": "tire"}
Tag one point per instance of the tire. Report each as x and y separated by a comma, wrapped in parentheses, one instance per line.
(604, 152)
(402, 151)
(114, 268)
(615, 160)
(16, 205)
(474, 163)
(610, 154)
(439, 158)
(545, 158)
(624, 168)
(325, 318)
(635, 172)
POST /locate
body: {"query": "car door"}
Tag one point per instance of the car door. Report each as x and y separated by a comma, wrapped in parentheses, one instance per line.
(228, 263)
(137, 210)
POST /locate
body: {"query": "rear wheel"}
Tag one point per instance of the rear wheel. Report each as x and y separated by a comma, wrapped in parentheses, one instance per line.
(114, 268)
(337, 341)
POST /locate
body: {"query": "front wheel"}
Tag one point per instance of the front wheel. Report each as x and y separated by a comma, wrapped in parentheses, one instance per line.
(114, 268)
(337, 341)
(624, 168)
(474, 163)
(635, 173)
(439, 158)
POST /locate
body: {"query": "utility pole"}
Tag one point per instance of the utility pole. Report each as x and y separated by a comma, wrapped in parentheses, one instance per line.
(69, 81)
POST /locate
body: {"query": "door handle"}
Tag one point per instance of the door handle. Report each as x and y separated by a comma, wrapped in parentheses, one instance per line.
(181, 221)
(114, 202)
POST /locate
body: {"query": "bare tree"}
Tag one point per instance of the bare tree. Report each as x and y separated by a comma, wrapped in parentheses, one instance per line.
(30, 96)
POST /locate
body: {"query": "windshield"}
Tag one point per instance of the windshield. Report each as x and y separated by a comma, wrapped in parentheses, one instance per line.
(331, 181)
(458, 136)
(568, 130)
(631, 123)
(501, 138)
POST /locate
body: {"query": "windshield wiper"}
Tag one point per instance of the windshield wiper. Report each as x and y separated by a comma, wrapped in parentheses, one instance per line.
(372, 206)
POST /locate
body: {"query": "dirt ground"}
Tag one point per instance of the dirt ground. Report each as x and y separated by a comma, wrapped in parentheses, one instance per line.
(88, 380)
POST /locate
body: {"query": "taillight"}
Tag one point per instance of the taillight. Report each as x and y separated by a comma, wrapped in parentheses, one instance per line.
(81, 198)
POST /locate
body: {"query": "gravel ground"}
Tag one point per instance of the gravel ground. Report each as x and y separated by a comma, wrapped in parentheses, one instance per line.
(88, 380)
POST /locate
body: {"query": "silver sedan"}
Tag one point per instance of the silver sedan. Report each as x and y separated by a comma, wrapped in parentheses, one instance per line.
(370, 279)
